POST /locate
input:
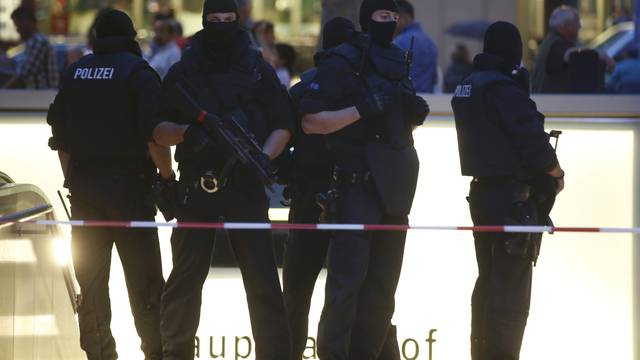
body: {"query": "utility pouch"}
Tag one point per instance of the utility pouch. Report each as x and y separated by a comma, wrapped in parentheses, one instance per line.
(328, 202)
(522, 212)
(395, 175)
(186, 190)
(167, 196)
(518, 244)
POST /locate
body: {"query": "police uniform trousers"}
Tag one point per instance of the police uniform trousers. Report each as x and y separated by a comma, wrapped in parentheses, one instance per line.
(304, 256)
(100, 196)
(502, 293)
(363, 269)
(192, 251)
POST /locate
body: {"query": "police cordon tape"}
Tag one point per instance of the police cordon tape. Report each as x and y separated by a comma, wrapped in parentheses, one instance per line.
(323, 227)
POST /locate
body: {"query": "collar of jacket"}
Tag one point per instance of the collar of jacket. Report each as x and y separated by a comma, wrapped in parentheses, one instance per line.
(114, 44)
(486, 62)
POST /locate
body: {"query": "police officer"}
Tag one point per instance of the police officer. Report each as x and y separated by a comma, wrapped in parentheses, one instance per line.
(363, 100)
(102, 121)
(224, 74)
(516, 176)
(306, 251)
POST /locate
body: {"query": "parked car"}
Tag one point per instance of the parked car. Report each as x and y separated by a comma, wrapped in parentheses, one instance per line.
(615, 41)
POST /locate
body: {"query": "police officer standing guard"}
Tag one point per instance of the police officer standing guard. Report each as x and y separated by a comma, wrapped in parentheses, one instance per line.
(363, 99)
(102, 121)
(227, 78)
(305, 251)
(516, 176)
(312, 169)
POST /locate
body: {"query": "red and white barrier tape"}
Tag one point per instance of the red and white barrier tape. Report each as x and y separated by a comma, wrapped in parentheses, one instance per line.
(326, 227)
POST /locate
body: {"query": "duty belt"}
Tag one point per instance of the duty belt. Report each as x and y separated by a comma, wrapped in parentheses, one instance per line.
(211, 181)
(113, 166)
(520, 189)
(350, 177)
(493, 179)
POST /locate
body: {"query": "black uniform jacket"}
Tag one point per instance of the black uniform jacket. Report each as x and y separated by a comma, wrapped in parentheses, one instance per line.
(106, 106)
(500, 131)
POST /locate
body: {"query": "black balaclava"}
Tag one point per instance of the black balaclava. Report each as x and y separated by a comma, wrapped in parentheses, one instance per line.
(114, 33)
(114, 23)
(380, 32)
(503, 40)
(336, 32)
(219, 35)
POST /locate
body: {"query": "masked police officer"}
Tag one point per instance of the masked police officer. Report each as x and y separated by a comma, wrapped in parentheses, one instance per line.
(363, 100)
(102, 121)
(225, 75)
(312, 166)
(306, 251)
(516, 176)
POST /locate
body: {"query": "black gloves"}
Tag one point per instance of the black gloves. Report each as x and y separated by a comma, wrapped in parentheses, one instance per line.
(265, 163)
(53, 143)
(166, 196)
(373, 104)
(195, 139)
(416, 109)
(283, 166)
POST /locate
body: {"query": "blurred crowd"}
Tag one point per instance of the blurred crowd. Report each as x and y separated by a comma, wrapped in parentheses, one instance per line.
(562, 64)
(39, 65)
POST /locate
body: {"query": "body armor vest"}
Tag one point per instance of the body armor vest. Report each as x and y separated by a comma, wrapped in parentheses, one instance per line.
(101, 122)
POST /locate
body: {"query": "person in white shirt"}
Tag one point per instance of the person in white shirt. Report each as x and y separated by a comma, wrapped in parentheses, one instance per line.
(286, 57)
(165, 52)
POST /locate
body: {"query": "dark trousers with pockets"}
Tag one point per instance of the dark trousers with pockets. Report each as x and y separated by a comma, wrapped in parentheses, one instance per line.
(124, 198)
(192, 250)
(501, 297)
(363, 270)
(304, 256)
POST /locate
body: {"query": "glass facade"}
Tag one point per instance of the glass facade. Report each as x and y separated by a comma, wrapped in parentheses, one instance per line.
(596, 16)
(298, 20)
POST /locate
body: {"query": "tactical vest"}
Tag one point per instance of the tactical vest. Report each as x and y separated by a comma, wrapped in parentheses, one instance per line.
(483, 144)
(222, 91)
(381, 69)
(101, 117)
(388, 149)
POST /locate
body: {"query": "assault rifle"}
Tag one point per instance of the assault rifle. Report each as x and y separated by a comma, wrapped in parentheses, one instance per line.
(230, 131)
(409, 57)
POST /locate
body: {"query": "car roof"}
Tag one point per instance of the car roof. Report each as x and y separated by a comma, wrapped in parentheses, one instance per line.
(615, 39)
